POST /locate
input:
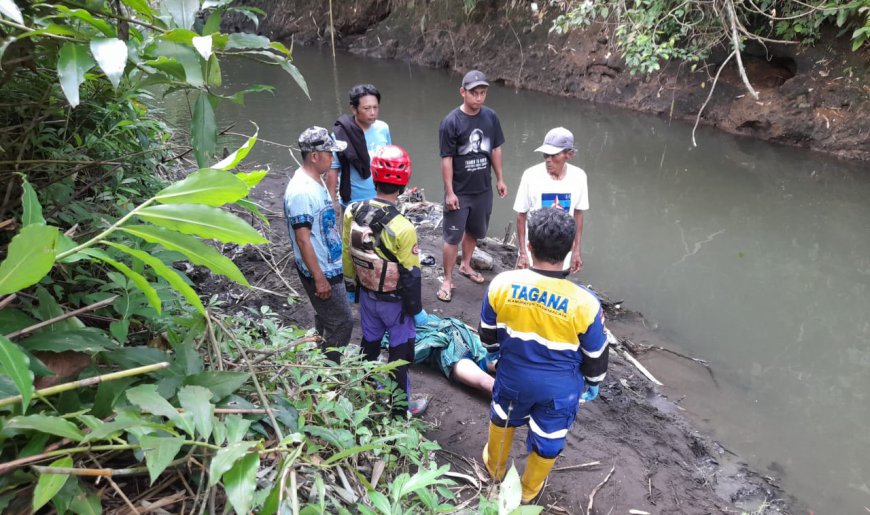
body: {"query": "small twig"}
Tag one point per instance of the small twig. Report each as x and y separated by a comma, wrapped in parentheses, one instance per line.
(7, 300)
(283, 348)
(274, 267)
(580, 466)
(65, 387)
(595, 491)
(213, 341)
(263, 399)
(294, 498)
(69, 314)
(116, 488)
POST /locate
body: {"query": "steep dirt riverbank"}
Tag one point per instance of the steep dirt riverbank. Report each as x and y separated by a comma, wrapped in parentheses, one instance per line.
(813, 97)
(660, 462)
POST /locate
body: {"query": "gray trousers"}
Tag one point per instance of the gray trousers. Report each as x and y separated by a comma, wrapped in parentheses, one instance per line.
(333, 319)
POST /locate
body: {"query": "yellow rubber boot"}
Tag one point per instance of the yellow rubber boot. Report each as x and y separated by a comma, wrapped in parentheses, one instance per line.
(537, 470)
(497, 450)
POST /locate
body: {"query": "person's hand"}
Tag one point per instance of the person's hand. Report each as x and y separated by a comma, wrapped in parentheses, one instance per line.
(522, 260)
(590, 394)
(451, 201)
(421, 318)
(576, 262)
(502, 189)
(322, 288)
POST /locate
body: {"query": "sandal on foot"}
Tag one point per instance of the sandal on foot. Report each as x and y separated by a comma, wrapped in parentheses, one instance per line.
(473, 276)
(444, 294)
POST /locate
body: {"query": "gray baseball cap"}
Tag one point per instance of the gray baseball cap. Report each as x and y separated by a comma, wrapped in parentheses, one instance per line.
(557, 140)
(473, 79)
(317, 139)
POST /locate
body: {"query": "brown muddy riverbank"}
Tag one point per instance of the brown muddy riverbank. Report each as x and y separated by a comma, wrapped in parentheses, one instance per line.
(812, 97)
(660, 462)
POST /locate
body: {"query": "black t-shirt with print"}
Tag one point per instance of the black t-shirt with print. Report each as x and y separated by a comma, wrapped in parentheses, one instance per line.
(470, 141)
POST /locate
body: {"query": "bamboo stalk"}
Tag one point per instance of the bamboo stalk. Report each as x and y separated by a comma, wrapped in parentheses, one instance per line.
(331, 29)
(65, 387)
(69, 314)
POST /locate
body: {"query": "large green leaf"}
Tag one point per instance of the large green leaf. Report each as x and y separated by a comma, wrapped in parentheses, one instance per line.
(253, 208)
(136, 277)
(16, 365)
(31, 209)
(140, 6)
(79, 340)
(11, 11)
(168, 66)
(237, 428)
(202, 221)
(183, 12)
(72, 64)
(230, 162)
(196, 251)
(297, 76)
(187, 57)
(195, 400)
(84, 15)
(111, 56)
(225, 459)
(209, 186)
(203, 130)
(29, 257)
(131, 357)
(12, 320)
(50, 484)
(145, 396)
(85, 503)
(221, 384)
(241, 481)
(244, 41)
(46, 424)
(167, 273)
(159, 453)
(252, 178)
(214, 78)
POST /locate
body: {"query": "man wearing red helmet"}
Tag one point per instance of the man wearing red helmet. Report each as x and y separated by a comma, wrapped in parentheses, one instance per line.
(382, 267)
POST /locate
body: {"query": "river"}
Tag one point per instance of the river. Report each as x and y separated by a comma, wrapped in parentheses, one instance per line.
(752, 256)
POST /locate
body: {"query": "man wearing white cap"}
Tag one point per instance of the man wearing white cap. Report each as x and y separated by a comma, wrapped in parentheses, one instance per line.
(553, 184)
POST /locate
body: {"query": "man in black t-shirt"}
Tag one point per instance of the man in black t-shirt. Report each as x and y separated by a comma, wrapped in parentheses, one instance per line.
(471, 140)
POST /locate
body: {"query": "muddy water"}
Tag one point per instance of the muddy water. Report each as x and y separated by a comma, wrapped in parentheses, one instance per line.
(754, 257)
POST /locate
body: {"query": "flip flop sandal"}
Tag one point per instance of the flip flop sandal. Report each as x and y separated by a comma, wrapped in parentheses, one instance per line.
(444, 294)
(475, 276)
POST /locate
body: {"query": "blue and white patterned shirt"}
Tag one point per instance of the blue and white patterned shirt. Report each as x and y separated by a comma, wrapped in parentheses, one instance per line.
(307, 204)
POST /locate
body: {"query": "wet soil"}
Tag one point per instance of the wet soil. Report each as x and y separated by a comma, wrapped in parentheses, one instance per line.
(661, 462)
(815, 97)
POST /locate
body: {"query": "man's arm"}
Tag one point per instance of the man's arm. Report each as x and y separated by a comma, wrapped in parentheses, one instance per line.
(322, 288)
(349, 271)
(450, 198)
(488, 328)
(576, 258)
(523, 257)
(595, 350)
(497, 168)
(332, 188)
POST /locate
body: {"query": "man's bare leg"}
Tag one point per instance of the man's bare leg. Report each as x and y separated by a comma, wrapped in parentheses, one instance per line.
(450, 253)
(469, 243)
(468, 373)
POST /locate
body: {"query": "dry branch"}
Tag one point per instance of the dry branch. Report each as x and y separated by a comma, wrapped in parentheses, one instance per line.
(69, 314)
(595, 490)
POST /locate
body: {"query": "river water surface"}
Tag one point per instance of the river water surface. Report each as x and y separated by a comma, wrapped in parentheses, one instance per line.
(752, 256)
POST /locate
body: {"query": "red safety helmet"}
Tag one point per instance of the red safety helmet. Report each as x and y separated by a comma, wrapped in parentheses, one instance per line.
(391, 165)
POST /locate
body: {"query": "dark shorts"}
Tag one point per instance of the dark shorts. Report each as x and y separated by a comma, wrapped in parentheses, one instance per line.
(471, 217)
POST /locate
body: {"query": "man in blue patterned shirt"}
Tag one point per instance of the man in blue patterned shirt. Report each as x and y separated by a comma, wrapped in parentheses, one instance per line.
(316, 239)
